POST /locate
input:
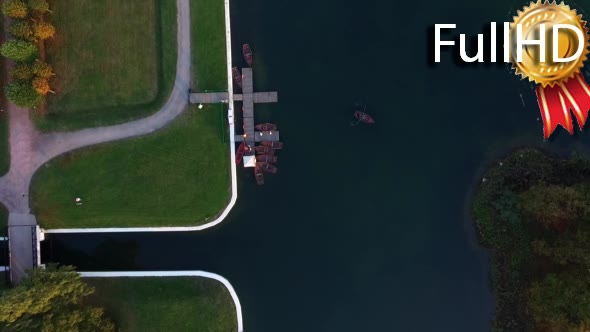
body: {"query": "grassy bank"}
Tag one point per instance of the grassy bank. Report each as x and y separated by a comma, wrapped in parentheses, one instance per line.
(208, 45)
(177, 176)
(165, 304)
(114, 60)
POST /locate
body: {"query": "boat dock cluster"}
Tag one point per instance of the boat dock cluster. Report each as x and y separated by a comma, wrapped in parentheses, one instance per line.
(260, 157)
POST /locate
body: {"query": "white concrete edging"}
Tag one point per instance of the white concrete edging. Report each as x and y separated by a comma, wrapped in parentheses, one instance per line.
(203, 274)
(234, 180)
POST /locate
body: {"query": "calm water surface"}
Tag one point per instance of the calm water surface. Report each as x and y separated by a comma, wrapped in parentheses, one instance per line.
(363, 229)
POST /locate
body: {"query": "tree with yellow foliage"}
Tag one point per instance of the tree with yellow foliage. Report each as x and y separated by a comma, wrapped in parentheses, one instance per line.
(15, 9)
(41, 85)
(43, 30)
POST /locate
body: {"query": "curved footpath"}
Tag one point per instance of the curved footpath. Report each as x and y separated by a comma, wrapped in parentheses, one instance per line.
(30, 149)
(230, 113)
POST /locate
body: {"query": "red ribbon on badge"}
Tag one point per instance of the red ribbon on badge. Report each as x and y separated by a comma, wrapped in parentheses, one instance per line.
(556, 102)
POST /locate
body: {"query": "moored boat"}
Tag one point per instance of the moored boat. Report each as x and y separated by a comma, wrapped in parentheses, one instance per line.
(267, 167)
(266, 158)
(273, 145)
(258, 173)
(364, 117)
(260, 149)
(247, 51)
(266, 127)
(240, 153)
(237, 76)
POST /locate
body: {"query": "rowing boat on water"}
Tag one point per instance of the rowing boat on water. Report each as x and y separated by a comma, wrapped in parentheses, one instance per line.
(266, 158)
(240, 153)
(247, 51)
(273, 145)
(258, 173)
(266, 127)
(237, 76)
(364, 117)
(267, 167)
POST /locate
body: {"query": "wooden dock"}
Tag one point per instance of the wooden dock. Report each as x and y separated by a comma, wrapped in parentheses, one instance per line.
(223, 97)
(261, 136)
(208, 97)
(248, 106)
(248, 98)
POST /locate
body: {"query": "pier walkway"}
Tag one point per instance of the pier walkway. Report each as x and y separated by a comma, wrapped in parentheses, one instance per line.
(248, 98)
(223, 97)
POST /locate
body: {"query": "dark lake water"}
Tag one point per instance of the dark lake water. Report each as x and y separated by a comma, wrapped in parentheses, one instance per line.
(363, 228)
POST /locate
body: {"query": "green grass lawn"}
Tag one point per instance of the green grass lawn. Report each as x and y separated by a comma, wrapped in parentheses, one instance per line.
(165, 304)
(208, 45)
(4, 148)
(115, 61)
(3, 283)
(177, 176)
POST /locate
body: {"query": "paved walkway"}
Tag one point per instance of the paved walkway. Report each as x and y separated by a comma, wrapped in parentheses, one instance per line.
(30, 149)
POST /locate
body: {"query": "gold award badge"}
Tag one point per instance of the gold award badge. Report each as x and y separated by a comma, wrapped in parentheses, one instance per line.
(549, 44)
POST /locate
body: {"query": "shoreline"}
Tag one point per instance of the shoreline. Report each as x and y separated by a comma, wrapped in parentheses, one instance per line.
(496, 269)
(202, 274)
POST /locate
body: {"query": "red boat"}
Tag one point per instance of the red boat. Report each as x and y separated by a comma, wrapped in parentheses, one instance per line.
(237, 76)
(240, 153)
(273, 145)
(363, 117)
(264, 150)
(247, 51)
(259, 175)
(266, 127)
(266, 158)
(269, 168)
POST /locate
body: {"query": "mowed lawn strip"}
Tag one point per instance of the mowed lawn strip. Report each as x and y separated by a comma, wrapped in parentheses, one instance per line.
(165, 304)
(115, 61)
(208, 45)
(176, 177)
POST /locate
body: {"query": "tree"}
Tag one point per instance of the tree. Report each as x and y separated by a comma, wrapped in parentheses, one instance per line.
(21, 29)
(39, 6)
(42, 69)
(555, 207)
(41, 85)
(561, 302)
(21, 93)
(18, 50)
(22, 71)
(15, 9)
(568, 248)
(51, 300)
(43, 30)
